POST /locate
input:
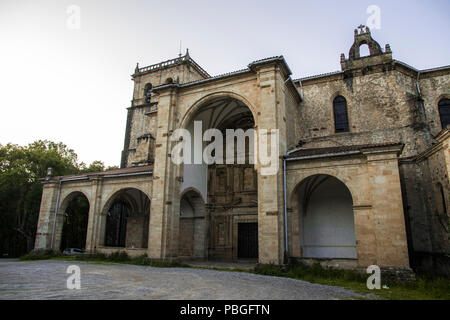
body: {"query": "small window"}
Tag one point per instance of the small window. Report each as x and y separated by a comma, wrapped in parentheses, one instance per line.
(148, 92)
(169, 81)
(442, 200)
(444, 112)
(340, 114)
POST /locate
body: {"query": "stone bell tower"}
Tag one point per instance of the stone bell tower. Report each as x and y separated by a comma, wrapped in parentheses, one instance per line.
(143, 114)
(377, 56)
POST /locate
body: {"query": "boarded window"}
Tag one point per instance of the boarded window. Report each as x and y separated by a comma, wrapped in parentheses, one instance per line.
(340, 114)
(444, 112)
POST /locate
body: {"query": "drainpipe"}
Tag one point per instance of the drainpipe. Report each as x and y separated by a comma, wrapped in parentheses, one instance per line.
(286, 243)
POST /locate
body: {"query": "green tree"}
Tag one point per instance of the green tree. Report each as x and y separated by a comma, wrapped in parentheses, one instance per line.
(21, 167)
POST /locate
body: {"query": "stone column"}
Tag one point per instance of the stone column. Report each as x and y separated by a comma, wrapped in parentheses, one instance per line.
(46, 215)
(388, 216)
(159, 245)
(270, 187)
(366, 244)
(93, 228)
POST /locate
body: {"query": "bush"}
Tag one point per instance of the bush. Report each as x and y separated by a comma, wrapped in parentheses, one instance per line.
(40, 254)
(306, 272)
(118, 257)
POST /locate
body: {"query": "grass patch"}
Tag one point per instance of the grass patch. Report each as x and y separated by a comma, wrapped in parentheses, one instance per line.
(425, 288)
(40, 255)
(115, 257)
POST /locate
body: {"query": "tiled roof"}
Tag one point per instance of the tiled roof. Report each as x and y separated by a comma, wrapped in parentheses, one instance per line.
(337, 150)
(129, 170)
(318, 76)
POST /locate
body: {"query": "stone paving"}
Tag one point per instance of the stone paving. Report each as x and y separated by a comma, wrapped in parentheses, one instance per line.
(48, 280)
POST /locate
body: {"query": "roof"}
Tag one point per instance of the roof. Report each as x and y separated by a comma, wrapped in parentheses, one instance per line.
(167, 63)
(130, 171)
(234, 73)
(318, 76)
(323, 75)
(337, 151)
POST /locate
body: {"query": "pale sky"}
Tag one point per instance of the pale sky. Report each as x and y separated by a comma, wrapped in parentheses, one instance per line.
(74, 85)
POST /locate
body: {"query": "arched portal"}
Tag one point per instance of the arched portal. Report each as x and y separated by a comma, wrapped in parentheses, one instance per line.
(228, 182)
(75, 213)
(127, 216)
(192, 239)
(326, 219)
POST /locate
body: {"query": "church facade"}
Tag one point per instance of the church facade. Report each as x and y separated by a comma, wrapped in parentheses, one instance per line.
(362, 158)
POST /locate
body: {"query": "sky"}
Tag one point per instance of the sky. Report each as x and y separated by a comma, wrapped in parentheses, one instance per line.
(65, 66)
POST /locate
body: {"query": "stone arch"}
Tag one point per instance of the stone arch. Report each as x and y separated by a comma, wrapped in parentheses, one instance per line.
(148, 92)
(443, 108)
(208, 179)
(186, 190)
(65, 238)
(308, 236)
(344, 179)
(192, 110)
(364, 39)
(196, 107)
(125, 219)
(192, 226)
(442, 200)
(67, 198)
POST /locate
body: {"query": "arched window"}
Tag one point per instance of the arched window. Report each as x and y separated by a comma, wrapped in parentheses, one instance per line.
(169, 81)
(444, 112)
(442, 199)
(340, 114)
(148, 92)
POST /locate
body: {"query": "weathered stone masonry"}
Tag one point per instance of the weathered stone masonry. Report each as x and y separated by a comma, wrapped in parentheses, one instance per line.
(369, 138)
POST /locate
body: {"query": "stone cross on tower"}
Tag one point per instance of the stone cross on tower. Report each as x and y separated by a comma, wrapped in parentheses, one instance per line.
(361, 27)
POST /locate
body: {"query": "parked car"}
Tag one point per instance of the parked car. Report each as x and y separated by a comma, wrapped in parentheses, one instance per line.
(70, 251)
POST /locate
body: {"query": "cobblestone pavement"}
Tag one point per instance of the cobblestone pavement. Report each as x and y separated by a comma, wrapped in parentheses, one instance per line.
(48, 280)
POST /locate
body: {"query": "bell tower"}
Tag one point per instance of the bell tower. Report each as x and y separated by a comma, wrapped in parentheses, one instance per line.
(363, 36)
(142, 116)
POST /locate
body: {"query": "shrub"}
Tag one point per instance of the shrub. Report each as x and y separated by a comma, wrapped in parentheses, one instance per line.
(40, 254)
(118, 257)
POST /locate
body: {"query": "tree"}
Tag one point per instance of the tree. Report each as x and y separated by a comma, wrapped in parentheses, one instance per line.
(21, 191)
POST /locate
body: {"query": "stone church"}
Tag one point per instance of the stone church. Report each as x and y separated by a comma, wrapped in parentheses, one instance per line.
(363, 178)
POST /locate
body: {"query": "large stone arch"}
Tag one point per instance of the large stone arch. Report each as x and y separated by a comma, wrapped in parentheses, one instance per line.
(322, 221)
(137, 214)
(67, 194)
(193, 226)
(356, 179)
(190, 115)
(74, 224)
(215, 224)
(196, 106)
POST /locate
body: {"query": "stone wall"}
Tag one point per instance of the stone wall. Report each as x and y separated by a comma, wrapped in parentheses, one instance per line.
(426, 186)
